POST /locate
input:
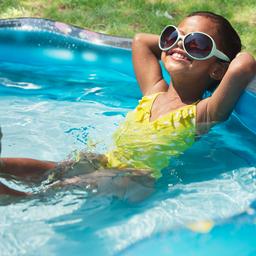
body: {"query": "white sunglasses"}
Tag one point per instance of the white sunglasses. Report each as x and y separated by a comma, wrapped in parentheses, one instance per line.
(198, 45)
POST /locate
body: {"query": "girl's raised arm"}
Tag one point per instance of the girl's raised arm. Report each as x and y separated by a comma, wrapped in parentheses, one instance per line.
(220, 105)
(146, 55)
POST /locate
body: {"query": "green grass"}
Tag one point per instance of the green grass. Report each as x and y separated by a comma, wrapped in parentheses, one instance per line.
(126, 17)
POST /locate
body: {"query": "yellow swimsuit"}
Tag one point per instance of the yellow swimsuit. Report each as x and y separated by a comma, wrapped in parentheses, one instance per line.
(142, 144)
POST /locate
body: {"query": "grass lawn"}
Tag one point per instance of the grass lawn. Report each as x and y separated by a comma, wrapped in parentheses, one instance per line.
(126, 17)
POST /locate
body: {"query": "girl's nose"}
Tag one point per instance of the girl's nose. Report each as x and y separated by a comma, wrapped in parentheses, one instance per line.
(180, 45)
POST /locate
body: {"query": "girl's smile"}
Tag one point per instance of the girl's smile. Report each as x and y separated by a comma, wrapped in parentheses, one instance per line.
(178, 54)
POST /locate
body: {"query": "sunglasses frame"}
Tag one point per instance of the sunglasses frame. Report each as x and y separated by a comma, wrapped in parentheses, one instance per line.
(214, 52)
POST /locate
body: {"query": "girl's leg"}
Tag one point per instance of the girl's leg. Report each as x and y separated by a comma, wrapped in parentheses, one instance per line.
(4, 190)
(25, 167)
(129, 185)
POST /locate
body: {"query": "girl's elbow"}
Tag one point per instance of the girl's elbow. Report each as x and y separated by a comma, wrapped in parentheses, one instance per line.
(250, 67)
(138, 38)
(244, 66)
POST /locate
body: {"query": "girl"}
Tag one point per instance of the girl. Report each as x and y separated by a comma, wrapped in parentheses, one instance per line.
(199, 54)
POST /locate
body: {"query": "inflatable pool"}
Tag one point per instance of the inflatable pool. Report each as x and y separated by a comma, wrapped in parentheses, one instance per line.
(53, 72)
(44, 35)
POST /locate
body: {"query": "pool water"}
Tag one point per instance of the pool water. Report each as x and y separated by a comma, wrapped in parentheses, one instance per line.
(46, 116)
(49, 111)
(65, 109)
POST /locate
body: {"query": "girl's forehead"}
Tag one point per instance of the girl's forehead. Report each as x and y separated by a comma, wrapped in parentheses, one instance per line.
(198, 23)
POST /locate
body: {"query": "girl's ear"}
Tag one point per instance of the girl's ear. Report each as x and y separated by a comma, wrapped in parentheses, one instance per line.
(218, 70)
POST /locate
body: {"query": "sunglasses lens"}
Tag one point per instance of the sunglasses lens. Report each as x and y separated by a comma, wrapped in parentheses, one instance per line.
(168, 37)
(198, 45)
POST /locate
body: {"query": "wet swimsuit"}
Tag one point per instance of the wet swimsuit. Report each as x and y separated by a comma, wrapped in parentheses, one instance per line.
(143, 144)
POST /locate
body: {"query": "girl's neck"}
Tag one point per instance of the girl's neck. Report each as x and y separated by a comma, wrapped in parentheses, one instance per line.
(186, 93)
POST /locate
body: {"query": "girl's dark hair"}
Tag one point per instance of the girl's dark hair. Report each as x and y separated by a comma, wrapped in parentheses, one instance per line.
(231, 43)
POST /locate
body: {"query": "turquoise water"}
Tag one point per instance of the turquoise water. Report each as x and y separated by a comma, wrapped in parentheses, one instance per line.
(48, 111)
(46, 116)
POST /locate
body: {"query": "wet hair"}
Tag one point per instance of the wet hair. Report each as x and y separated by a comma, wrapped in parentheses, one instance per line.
(231, 42)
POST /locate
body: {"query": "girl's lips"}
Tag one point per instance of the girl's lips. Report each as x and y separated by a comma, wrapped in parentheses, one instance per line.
(178, 55)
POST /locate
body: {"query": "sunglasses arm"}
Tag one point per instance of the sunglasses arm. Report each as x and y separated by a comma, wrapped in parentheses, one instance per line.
(221, 55)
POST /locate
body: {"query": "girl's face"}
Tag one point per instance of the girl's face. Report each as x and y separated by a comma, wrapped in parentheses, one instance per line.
(178, 63)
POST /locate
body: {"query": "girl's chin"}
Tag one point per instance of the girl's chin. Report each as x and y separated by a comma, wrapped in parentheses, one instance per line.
(180, 64)
(179, 60)
(177, 68)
